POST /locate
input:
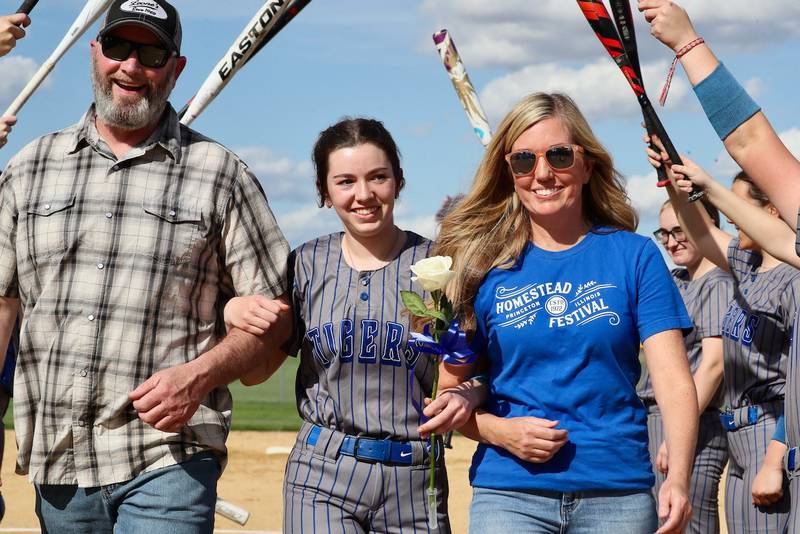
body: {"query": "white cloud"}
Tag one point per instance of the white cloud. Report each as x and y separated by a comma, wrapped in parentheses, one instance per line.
(282, 178)
(791, 138)
(306, 223)
(599, 88)
(754, 86)
(15, 71)
(515, 33)
(645, 196)
(424, 225)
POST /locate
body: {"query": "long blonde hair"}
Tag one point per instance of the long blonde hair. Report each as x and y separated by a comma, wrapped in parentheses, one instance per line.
(490, 227)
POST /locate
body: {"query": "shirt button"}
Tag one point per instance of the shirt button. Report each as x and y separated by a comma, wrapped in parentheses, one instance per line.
(109, 215)
(365, 281)
(172, 213)
(84, 372)
(100, 266)
(91, 317)
(47, 206)
(364, 296)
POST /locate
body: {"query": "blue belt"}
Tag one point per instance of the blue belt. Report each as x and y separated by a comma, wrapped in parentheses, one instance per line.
(371, 450)
(735, 419)
(790, 463)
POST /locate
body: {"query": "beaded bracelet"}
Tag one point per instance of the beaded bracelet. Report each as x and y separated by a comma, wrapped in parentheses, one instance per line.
(682, 52)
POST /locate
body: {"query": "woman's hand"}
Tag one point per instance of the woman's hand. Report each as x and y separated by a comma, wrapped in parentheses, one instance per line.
(669, 23)
(674, 507)
(254, 314)
(452, 408)
(530, 438)
(768, 485)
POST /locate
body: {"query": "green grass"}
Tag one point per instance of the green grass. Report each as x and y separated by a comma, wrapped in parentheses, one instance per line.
(267, 406)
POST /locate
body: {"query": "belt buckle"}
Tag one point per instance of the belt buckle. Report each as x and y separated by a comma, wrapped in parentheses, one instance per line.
(370, 450)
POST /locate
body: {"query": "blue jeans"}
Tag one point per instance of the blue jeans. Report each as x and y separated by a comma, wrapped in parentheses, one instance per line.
(545, 512)
(178, 499)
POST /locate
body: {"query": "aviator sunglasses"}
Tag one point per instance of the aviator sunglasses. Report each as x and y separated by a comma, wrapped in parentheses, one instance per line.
(118, 49)
(558, 158)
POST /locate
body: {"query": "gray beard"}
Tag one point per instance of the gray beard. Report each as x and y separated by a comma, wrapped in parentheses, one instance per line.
(132, 115)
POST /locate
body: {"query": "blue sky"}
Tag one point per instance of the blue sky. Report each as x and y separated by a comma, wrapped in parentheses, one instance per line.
(376, 58)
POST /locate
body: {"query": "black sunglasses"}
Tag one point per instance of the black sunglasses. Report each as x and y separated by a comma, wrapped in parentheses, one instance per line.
(118, 49)
(558, 157)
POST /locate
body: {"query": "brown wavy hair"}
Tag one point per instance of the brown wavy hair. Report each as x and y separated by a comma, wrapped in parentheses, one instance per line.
(490, 227)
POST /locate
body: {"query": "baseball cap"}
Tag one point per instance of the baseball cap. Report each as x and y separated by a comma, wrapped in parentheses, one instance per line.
(158, 16)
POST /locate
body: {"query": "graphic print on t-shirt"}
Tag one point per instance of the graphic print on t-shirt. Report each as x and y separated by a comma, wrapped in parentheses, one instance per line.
(519, 307)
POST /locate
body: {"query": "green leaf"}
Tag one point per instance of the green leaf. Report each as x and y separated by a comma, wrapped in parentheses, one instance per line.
(414, 304)
(436, 314)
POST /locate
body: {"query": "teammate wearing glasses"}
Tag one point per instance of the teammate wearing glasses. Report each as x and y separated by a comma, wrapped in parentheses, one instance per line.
(756, 333)
(706, 291)
(121, 237)
(558, 292)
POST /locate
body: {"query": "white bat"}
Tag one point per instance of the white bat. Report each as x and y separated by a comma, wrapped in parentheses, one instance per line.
(231, 511)
(464, 88)
(90, 13)
(237, 55)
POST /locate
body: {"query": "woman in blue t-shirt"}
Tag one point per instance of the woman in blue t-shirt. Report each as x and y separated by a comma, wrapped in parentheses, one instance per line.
(558, 293)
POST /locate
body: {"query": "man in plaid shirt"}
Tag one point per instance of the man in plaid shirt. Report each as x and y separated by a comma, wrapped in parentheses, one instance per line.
(122, 237)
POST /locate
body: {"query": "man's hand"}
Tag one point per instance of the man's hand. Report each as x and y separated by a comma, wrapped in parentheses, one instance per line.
(168, 399)
(5, 128)
(662, 458)
(673, 507)
(11, 31)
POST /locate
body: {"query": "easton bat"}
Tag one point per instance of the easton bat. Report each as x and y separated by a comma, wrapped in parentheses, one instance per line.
(235, 58)
(463, 86)
(229, 510)
(27, 6)
(295, 8)
(91, 11)
(623, 51)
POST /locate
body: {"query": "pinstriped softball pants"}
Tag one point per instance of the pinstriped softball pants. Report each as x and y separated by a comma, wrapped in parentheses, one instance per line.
(326, 492)
(747, 447)
(711, 455)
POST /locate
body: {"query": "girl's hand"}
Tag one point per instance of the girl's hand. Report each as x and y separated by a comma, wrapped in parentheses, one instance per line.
(452, 408)
(669, 23)
(255, 314)
(768, 485)
(691, 174)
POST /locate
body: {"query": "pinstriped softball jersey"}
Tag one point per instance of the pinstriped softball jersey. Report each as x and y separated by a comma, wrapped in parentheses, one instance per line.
(358, 376)
(706, 300)
(792, 407)
(756, 336)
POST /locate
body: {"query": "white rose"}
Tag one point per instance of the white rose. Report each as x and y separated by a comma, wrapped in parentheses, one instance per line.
(433, 273)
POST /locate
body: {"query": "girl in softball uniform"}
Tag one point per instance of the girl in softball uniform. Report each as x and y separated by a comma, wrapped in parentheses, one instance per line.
(706, 292)
(756, 335)
(359, 462)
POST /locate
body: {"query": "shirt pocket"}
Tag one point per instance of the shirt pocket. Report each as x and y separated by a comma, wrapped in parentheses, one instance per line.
(169, 232)
(47, 227)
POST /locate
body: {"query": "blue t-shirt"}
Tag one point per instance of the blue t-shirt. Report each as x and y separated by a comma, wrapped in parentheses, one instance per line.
(562, 331)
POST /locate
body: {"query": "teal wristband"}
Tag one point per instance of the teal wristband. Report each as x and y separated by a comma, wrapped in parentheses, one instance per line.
(726, 103)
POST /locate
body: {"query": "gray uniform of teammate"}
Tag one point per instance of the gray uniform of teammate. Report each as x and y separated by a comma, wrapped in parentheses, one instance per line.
(792, 413)
(756, 336)
(357, 377)
(706, 300)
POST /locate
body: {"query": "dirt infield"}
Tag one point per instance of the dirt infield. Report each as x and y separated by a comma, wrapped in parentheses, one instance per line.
(252, 480)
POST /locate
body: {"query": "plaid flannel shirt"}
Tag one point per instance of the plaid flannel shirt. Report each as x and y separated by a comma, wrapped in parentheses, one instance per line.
(123, 268)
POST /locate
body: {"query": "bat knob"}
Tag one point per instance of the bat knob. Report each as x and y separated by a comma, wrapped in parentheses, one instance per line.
(662, 183)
